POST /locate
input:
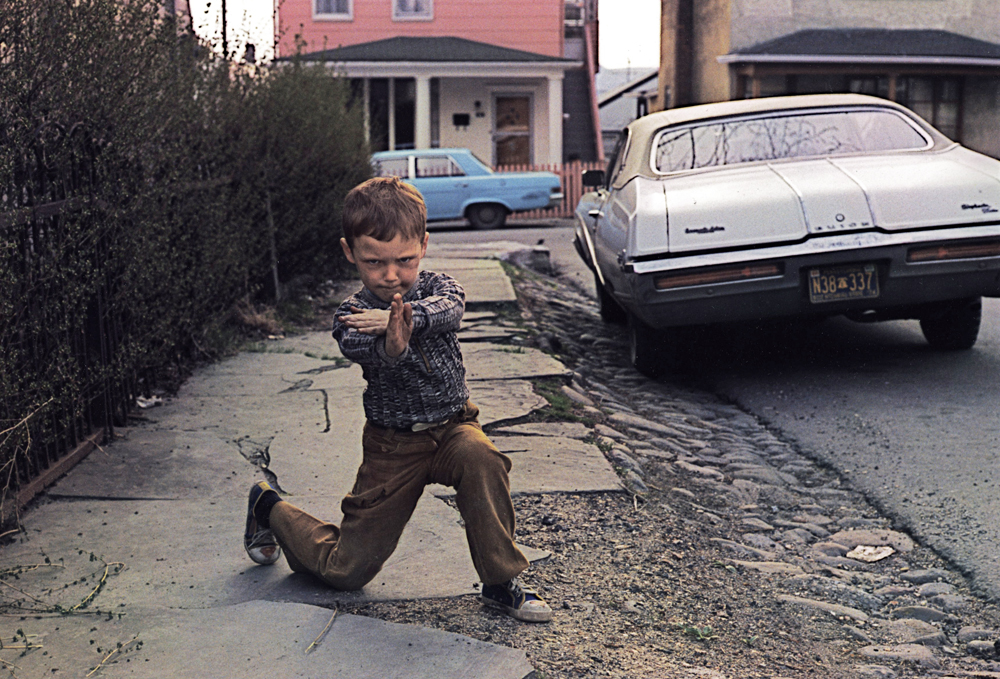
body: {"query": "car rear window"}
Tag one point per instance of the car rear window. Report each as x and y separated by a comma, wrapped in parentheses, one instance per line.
(775, 137)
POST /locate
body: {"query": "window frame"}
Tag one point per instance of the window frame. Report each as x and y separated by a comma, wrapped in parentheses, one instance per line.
(409, 16)
(333, 16)
(454, 169)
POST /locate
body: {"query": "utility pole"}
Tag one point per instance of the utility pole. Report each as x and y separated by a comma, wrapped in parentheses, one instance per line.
(225, 41)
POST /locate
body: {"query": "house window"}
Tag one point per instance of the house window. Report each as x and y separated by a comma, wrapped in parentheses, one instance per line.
(333, 9)
(936, 100)
(408, 10)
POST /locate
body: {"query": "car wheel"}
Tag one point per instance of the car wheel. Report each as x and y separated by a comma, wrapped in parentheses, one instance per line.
(648, 349)
(487, 216)
(953, 326)
(611, 310)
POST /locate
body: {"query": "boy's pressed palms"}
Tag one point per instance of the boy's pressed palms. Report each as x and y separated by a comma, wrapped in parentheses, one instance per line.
(400, 326)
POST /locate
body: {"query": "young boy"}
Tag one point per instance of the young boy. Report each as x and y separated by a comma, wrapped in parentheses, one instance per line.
(421, 427)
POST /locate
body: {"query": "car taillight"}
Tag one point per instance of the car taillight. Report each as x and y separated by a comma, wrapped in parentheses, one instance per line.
(726, 275)
(937, 253)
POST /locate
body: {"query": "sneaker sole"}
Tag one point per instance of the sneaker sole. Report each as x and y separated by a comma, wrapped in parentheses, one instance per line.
(522, 614)
(266, 554)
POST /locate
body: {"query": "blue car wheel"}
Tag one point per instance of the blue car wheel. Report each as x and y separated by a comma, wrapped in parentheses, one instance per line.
(487, 216)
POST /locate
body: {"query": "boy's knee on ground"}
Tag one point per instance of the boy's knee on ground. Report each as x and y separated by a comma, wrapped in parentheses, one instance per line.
(351, 579)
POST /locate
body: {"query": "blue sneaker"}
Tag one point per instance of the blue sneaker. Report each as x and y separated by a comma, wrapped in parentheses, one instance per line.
(517, 601)
(259, 542)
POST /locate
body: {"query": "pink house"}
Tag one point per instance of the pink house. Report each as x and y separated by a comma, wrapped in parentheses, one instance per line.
(510, 79)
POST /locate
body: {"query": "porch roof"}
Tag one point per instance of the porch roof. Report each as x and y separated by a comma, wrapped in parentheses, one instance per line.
(872, 46)
(445, 49)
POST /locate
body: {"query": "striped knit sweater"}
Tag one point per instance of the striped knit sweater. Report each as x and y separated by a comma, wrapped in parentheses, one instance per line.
(426, 383)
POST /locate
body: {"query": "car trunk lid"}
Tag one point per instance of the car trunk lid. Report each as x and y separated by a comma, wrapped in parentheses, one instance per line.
(738, 207)
(787, 202)
(913, 191)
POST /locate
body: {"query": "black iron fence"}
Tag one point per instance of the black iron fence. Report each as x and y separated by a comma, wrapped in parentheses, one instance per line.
(150, 192)
(64, 387)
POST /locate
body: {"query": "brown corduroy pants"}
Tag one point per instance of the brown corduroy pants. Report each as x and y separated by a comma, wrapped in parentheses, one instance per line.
(396, 467)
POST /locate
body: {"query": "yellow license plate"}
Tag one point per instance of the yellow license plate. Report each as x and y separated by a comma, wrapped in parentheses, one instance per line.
(836, 284)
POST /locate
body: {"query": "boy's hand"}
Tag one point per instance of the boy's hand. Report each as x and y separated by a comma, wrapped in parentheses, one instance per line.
(399, 327)
(367, 321)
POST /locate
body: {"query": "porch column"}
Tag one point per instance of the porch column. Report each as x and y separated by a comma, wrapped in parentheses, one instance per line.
(555, 119)
(367, 91)
(422, 114)
(392, 114)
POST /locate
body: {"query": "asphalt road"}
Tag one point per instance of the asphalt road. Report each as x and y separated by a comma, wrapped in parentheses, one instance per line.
(917, 431)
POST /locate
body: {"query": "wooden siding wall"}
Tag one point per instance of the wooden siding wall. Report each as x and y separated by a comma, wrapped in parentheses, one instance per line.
(529, 25)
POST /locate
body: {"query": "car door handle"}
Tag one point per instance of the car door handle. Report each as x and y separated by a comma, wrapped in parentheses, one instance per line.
(595, 214)
(462, 185)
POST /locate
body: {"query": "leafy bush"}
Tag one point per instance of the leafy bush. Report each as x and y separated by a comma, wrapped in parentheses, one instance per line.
(147, 186)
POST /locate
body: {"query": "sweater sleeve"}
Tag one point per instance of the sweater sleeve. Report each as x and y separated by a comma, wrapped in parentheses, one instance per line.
(360, 347)
(440, 307)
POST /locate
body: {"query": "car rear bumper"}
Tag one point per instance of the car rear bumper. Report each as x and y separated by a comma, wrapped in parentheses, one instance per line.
(776, 279)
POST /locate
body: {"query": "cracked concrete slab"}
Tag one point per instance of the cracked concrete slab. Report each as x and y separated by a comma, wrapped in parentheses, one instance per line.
(553, 465)
(484, 280)
(504, 362)
(481, 334)
(573, 430)
(469, 251)
(264, 640)
(319, 345)
(501, 400)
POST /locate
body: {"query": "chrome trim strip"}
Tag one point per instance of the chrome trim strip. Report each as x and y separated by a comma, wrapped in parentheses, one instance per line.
(590, 248)
(818, 245)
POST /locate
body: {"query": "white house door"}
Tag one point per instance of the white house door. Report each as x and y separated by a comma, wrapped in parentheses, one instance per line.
(512, 130)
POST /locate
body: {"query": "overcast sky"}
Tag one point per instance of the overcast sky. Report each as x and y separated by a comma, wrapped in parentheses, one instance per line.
(629, 33)
(630, 29)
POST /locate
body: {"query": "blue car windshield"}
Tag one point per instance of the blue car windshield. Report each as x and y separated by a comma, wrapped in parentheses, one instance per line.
(777, 137)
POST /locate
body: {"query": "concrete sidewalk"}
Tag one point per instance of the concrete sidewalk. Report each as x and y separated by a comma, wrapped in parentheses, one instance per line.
(146, 534)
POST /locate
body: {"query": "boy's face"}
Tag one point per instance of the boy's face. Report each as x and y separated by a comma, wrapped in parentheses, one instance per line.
(386, 267)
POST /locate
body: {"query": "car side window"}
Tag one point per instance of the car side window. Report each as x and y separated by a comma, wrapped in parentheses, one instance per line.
(392, 167)
(437, 166)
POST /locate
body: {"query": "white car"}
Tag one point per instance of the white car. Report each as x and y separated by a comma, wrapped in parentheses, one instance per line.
(805, 206)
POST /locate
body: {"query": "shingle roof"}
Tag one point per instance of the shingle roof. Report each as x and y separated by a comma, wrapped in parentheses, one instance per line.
(874, 42)
(440, 49)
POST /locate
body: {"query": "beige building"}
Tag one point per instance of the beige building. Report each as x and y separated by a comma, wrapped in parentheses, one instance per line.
(939, 57)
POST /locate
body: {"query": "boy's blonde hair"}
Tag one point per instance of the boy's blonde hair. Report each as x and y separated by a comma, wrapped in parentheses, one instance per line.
(383, 208)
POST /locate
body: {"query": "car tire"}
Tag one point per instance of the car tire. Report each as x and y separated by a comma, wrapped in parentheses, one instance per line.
(649, 350)
(611, 311)
(953, 326)
(487, 216)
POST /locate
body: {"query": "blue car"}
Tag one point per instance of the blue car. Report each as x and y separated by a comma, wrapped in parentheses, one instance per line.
(456, 184)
